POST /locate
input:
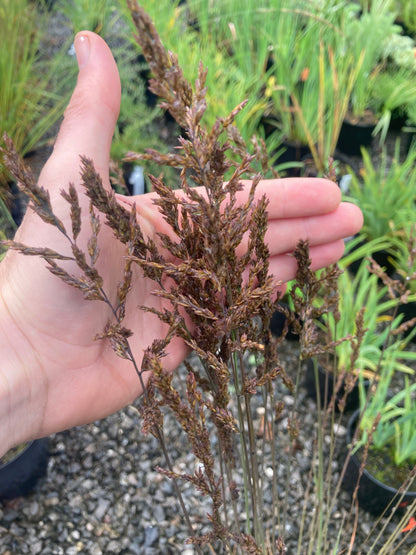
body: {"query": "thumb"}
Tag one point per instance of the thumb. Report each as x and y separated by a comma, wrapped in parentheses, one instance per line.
(90, 118)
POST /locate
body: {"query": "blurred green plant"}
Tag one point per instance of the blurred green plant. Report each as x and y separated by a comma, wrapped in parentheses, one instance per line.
(366, 35)
(138, 125)
(395, 90)
(406, 14)
(400, 51)
(99, 16)
(33, 88)
(376, 328)
(311, 74)
(386, 194)
(192, 32)
(391, 420)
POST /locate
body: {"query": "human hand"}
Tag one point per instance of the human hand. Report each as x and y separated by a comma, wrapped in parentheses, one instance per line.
(54, 375)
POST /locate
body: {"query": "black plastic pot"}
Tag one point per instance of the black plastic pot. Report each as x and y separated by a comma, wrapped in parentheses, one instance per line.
(279, 322)
(409, 312)
(293, 153)
(19, 476)
(373, 496)
(382, 257)
(326, 387)
(353, 136)
(409, 135)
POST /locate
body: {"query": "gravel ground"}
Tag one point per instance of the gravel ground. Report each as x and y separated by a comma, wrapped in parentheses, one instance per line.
(102, 494)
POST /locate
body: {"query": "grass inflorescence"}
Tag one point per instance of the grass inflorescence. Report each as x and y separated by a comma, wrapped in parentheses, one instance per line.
(211, 268)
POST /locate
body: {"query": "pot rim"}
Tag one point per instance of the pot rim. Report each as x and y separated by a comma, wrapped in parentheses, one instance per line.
(392, 490)
(29, 444)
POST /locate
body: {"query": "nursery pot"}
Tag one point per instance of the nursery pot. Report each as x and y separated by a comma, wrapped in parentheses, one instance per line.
(381, 256)
(23, 468)
(293, 152)
(373, 495)
(326, 384)
(279, 322)
(353, 136)
(409, 312)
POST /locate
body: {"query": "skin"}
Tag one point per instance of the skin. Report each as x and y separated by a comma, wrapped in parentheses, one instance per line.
(53, 374)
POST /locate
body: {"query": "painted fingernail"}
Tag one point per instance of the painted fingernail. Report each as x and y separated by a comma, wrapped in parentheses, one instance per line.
(82, 50)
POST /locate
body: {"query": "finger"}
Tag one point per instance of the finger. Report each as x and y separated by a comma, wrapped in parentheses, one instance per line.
(296, 197)
(90, 117)
(287, 198)
(284, 266)
(283, 235)
(87, 129)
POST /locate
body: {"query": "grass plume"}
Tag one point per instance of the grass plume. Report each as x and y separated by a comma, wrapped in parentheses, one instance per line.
(220, 303)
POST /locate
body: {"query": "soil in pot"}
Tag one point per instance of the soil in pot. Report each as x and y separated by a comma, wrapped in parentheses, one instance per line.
(380, 481)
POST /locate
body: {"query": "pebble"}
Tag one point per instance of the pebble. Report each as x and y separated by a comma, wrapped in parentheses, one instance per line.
(102, 508)
(151, 535)
(340, 430)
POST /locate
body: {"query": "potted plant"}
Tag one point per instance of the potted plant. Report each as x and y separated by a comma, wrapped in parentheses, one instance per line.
(382, 434)
(405, 273)
(357, 335)
(399, 51)
(309, 100)
(34, 91)
(366, 35)
(386, 195)
(235, 55)
(395, 89)
(406, 15)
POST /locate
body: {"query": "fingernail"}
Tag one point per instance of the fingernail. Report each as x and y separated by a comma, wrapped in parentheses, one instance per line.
(82, 49)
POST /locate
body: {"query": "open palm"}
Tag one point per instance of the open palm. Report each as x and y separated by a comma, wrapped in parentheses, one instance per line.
(58, 369)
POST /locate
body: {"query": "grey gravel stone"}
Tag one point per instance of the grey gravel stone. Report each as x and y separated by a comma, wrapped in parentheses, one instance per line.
(151, 535)
(102, 508)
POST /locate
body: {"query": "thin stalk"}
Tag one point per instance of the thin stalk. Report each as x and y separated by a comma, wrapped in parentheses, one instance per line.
(289, 465)
(157, 431)
(331, 496)
(321, 107)
(249, 486)
(392, 536)
(319, 480)
(228, 474)
(310, 477)
(258, 528)
(243, 445)
(268, 403)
